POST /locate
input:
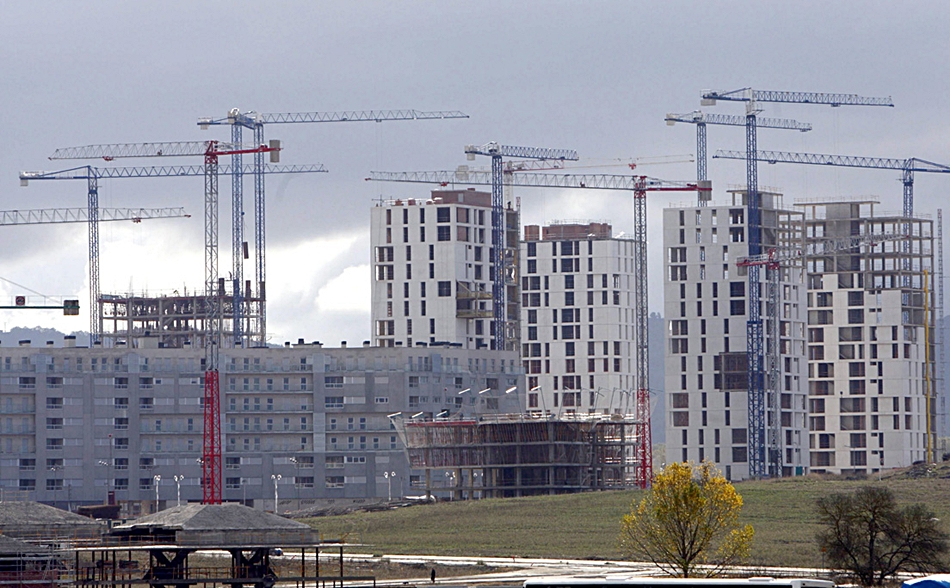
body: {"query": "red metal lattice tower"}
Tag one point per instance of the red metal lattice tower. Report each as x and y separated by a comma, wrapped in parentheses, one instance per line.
(644, 472)
(211, 437)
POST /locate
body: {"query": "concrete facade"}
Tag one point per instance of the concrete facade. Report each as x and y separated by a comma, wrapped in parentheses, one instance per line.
(79, 423)
(577, 328)
(870, 340)
(705, 298)
(433, 271)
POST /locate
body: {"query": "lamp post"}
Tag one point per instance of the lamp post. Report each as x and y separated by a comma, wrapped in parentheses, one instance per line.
(389, 482)
(53, 471)
(452, 484)
(178, 480)
(157, 478)
(540, 395)
(476, 476)
(276, 478)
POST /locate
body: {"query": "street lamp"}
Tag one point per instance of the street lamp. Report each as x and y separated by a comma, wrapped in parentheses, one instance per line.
(178, 480)
(389, 482)
(157, 478)
(276, 478)
(53, 470)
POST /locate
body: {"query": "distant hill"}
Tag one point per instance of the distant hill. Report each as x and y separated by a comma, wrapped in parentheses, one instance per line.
(39, 336)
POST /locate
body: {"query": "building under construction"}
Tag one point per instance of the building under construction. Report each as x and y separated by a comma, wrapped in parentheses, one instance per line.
(175, 322)
(522, 455)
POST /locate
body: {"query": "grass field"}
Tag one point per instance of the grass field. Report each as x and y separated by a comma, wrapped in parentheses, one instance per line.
(585, 526)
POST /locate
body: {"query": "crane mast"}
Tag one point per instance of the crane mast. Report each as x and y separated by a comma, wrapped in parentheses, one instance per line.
(639, 185)
(92, 175)
(214, 291)
(773, 261)
(701, 119)
(497, 152)
(754, 332)
(255, 122)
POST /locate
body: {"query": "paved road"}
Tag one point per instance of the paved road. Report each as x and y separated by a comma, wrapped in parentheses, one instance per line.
(521, 568)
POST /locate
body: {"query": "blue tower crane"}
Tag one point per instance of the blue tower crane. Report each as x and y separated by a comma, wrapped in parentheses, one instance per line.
(907, 167)
(701, 119)
(255, 122)
(639, 185)
(754, 327)
(497, 152)
(92, 175)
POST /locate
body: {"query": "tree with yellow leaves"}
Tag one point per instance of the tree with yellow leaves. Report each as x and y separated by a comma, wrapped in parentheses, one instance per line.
(688, 525)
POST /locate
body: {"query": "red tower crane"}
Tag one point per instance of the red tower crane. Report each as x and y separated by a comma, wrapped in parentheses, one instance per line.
(639, 185)
(211, 151)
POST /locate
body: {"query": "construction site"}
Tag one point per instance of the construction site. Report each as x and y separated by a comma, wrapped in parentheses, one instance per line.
(502, 367)
(508, 456)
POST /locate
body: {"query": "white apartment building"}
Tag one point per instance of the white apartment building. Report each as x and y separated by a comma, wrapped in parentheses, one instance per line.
(870, 340)
(705, 307)
(433, 272)
(577, 327)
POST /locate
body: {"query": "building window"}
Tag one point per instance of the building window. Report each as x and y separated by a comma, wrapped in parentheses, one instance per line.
(445, 288)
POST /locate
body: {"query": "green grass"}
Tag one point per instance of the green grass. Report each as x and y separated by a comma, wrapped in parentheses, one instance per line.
(585, 526)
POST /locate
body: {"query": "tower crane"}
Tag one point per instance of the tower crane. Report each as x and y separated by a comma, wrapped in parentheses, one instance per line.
(907, 167)
(639, 185)
(92, 175)
(754, 334)
(210, 150)
(701, 119)
(255, 122)
(45, 216)
(497, 152)
(773, 260)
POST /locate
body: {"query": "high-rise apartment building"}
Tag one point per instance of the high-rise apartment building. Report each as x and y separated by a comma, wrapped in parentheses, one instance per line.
(577, 328)
(870, 340)
(705, 307)
(433, 271)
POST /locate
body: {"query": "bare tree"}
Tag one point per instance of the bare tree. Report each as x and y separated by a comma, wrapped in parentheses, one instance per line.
(866, 533)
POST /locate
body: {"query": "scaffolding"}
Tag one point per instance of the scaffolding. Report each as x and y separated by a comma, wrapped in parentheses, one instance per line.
(503, 456)
(24, 565)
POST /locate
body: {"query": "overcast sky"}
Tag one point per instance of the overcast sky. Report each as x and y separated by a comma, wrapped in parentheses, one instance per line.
(597, 77)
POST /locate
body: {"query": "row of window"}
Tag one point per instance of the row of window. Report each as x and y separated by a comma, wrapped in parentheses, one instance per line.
(443, 233)
(534, 282)
(443, 214)
(533, 366)
(859, 422)
(533, 299)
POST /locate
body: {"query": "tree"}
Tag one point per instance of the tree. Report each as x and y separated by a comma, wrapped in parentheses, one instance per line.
(689, 519)
(866, 533)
